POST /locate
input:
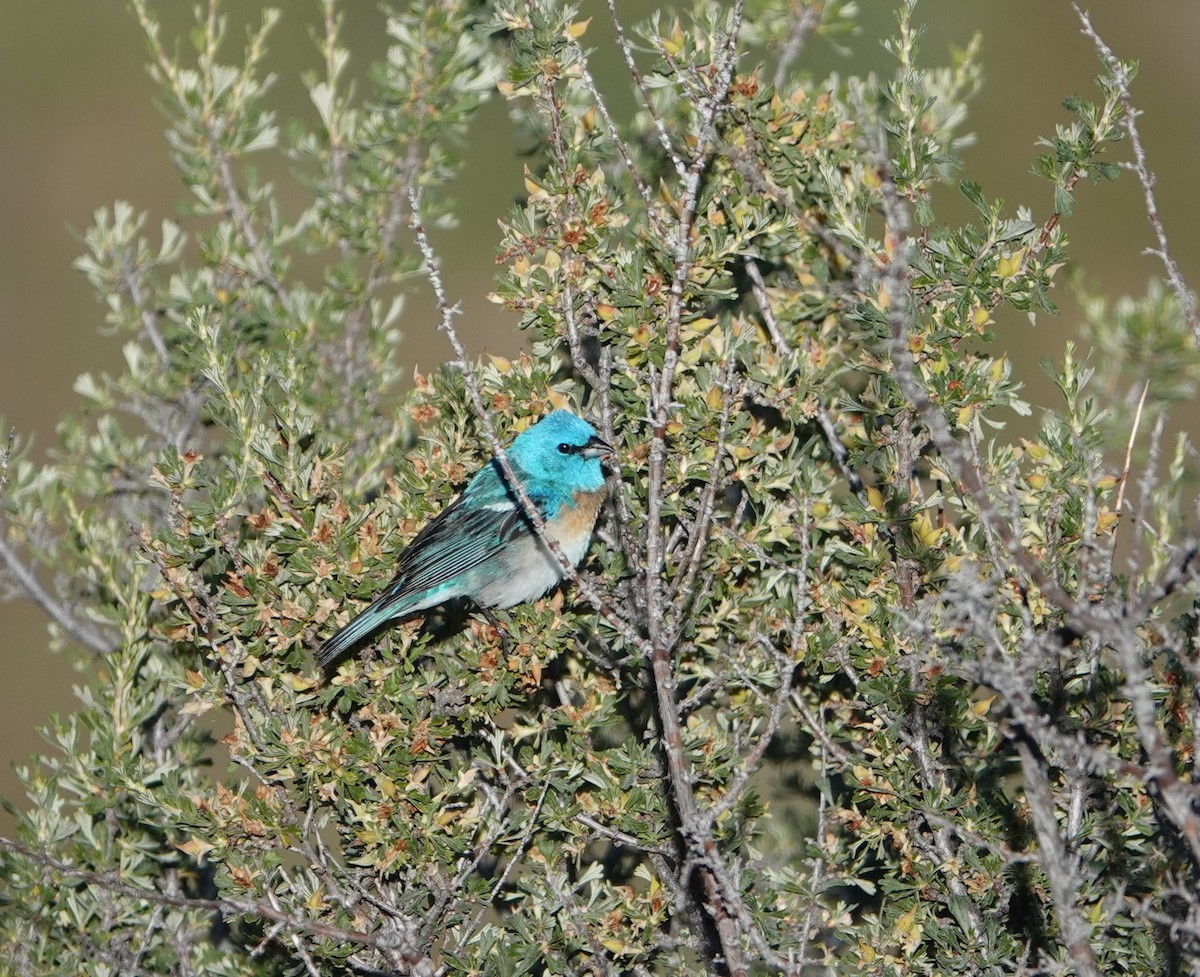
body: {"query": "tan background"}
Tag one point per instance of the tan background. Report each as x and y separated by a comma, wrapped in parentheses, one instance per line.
(78, 130)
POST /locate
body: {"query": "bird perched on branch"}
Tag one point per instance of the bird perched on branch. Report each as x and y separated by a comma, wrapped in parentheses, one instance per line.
(485, 545)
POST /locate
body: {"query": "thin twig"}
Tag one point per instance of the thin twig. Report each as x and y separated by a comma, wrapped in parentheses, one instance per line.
(1120, 77)
(723, 904)
(683, 592)
(807, 16)
(58, 612)
(28, 582)
(110, 881)
(1119, 505)
(1064, 882)
(635, 73)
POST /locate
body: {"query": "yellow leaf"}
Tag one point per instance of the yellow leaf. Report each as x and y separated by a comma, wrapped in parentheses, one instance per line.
(1036, 451)
(862, 606)
(875, 497)
(1010, 264)
(514, 22)
(196, 848)
(926, 531)
(533, 187)
(578, 29)
(981, 707)
(674, 44)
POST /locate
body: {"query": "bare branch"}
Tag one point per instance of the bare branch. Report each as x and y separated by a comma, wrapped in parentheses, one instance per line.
(227, 907)
(806, 16)
(1120, 77)
(58, 612)
(1052, 855)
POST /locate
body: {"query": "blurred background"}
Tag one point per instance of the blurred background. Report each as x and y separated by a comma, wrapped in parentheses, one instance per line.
(81, 130)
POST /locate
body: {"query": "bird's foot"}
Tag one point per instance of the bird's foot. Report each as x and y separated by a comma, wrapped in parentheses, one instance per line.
(499, 628)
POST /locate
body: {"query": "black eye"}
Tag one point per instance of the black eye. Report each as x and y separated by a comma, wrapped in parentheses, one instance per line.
(567, 449)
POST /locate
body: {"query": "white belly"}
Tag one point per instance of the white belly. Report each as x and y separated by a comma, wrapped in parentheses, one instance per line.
(532, 570)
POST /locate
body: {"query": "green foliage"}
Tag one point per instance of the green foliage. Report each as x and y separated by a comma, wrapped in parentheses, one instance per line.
(852, 680)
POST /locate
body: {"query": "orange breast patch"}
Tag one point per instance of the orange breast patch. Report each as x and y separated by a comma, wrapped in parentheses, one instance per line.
(578, 520)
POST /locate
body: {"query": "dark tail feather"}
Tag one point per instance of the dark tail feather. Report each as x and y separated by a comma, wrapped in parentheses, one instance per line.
(362, 627)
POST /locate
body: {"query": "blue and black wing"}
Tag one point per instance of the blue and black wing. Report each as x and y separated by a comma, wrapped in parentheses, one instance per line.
(461, 538)
(472, 530)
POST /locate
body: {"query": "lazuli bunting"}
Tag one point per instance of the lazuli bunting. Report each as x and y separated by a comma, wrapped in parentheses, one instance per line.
(483, 545)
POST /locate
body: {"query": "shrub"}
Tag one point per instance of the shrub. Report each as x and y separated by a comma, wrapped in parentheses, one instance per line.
(853, 680)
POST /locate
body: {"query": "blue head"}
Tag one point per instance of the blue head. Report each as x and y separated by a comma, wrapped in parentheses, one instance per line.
(563, 449)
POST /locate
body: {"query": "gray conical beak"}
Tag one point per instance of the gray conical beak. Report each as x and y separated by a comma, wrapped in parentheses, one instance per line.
(597, 448)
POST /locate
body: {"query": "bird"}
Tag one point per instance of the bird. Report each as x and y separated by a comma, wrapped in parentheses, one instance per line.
(484, 546)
